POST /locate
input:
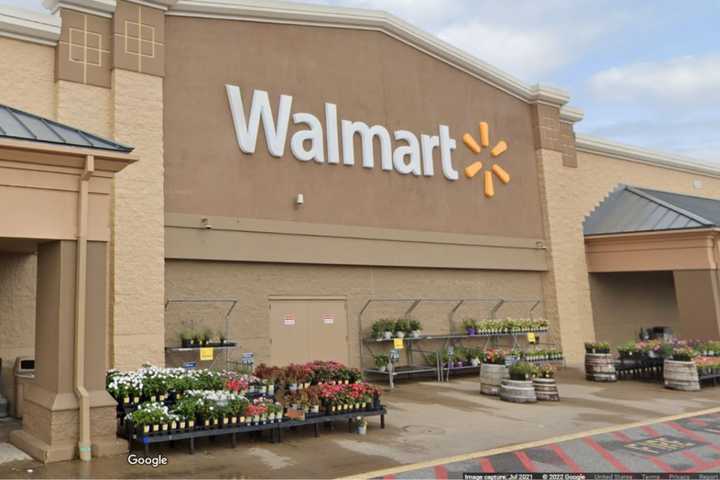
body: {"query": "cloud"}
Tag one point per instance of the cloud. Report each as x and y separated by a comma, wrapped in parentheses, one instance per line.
(681, 80)
(694, 136)
(528, 54)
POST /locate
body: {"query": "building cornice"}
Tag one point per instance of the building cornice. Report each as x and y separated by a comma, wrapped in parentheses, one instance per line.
(569, 114)
(29, 26)
(607, 148)
(273, 11)
(102, 8)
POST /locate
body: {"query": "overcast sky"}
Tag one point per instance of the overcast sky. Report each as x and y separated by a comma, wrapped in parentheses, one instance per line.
(645, 72)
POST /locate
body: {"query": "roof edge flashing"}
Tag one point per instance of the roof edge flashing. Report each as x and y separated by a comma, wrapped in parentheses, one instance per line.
(21, 24)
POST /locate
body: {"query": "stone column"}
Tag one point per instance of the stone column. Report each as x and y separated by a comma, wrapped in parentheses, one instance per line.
(50, 420)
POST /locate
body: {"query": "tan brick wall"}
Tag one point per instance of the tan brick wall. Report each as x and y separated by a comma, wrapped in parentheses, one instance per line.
(27, 80)
(571, 194)
(138, 243)
(252, 283)
(85, 107)
(26, 83)
(17, 314)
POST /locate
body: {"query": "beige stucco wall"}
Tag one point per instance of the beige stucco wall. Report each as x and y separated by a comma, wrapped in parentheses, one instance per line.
(251, 284)
(571, 194)
(625, 302)
(138, 242)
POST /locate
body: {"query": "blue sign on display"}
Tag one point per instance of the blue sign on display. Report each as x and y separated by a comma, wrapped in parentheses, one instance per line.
(189, 365)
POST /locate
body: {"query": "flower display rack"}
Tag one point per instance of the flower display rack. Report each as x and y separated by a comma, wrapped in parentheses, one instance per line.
(275, 428)
(431, 347)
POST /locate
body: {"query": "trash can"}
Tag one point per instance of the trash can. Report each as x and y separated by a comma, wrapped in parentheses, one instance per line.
(3, 400)
(24, 373)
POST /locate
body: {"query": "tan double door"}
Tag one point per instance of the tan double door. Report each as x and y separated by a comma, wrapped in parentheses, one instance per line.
(308, 328)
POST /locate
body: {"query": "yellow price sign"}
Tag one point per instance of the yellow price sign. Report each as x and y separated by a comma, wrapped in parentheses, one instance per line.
(206, 353)
(531, 337)
(398, 343)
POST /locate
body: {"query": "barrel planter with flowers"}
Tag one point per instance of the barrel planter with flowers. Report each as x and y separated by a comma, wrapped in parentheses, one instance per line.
(599, 362)
(681, 372)
(492, 371)
(519, 388)
(545, 384)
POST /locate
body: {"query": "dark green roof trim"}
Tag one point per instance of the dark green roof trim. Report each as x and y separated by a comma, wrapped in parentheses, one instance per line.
(21, 125)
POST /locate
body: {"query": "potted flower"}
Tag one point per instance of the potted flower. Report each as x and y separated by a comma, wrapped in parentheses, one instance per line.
(415, 328)
(381, 362)
(378, 329)
(388, 328)
(470, 326)
(186, 338)
(362, 426)
(402, 326)
(599, 363)
(680, 372)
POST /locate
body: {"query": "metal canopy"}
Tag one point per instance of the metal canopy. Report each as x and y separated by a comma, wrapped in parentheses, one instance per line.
(631, 209)
(26, 126)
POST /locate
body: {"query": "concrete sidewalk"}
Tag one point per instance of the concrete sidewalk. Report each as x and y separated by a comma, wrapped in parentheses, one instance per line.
(426, 421)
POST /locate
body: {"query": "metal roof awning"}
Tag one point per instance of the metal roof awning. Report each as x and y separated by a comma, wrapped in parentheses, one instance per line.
(633, 210)
(16, 124)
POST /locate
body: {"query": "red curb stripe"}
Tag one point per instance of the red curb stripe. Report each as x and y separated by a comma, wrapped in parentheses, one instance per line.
(660, 464)
(650, 431)
(572, 466)
(622, 437)
(693, 435)
(525, 460)
(441, 472)
(389, 477)
(699, 462)
(486, 465)
(606, 455)
(702, 468)
(697, 422)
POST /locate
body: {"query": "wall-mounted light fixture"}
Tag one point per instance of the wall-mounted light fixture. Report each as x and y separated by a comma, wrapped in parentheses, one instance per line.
(206, 224)
(299, 199)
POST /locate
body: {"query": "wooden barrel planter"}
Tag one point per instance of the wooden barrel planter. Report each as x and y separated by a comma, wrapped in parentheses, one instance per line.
(681, 376)
(546, 389)
(490, 377)
(518, 391)
(600, 367)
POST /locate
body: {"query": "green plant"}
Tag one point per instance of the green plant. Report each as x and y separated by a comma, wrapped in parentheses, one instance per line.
(415, 325)
(206, 336)
(381, 360)
(377, 329)
(597, 347)
(523, 371)
(469, 324)
(402, 325)
(187, 407)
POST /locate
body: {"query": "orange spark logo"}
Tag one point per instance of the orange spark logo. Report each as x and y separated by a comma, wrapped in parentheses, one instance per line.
(475, 167)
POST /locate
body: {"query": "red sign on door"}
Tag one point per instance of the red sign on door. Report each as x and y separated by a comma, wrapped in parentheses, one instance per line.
(289, 319)
(328, 318)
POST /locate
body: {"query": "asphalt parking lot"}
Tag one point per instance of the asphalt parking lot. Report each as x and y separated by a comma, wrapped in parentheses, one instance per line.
(688, 445)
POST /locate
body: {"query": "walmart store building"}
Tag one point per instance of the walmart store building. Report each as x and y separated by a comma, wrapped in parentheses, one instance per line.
(164, 160)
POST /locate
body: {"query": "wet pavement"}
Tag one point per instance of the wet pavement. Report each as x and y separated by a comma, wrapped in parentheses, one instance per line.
(425, 421)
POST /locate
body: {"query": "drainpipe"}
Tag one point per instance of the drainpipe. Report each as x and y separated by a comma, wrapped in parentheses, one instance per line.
(84, 445)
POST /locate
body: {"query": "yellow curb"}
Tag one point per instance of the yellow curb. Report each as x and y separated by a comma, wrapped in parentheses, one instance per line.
(523, 446)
